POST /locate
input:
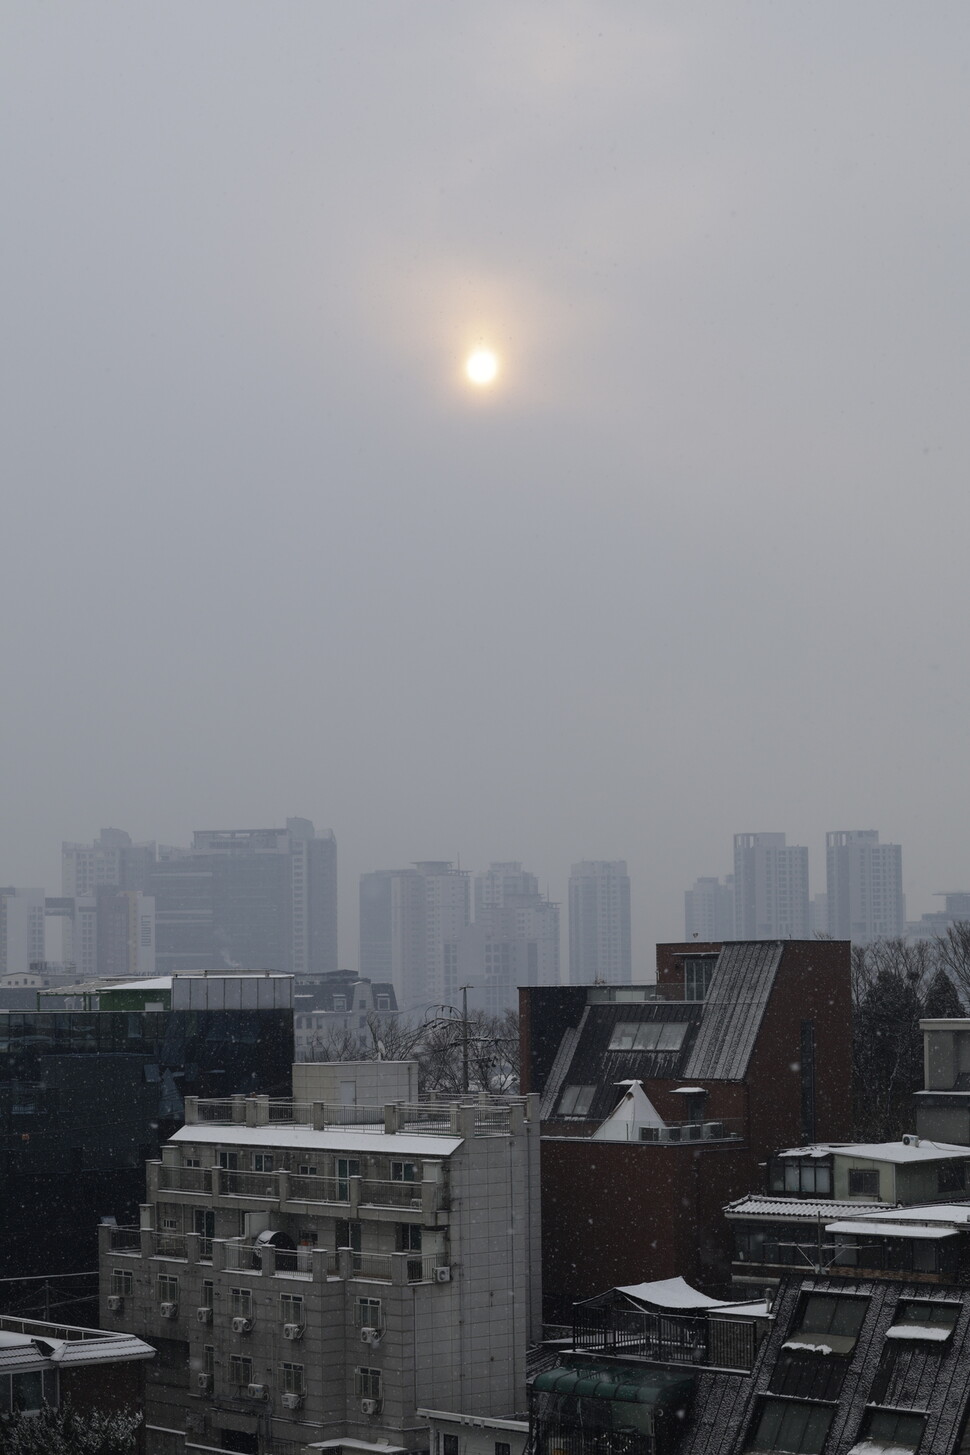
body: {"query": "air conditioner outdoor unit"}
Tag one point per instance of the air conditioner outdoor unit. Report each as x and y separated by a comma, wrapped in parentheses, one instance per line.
(292, 1331)
(291, 1401)
(204, 1314)
(256, 1391)
(369, 1336)
(368, 1406)
(442, 1275)
(169, 1310)
(204, 1381)
(242, 1326)
(115, 1303)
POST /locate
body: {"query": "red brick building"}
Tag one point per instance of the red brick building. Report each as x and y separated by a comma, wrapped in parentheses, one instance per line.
(661, 1103)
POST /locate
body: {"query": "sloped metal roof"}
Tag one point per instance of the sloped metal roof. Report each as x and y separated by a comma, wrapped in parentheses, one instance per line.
(735, 1006)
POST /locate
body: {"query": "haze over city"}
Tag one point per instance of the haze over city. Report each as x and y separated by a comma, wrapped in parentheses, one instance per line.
(691, 564)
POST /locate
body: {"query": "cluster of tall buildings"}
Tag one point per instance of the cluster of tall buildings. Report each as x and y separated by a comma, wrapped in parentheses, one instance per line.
(768, 895)
(266, 899)
(236, 898)
(418, 930)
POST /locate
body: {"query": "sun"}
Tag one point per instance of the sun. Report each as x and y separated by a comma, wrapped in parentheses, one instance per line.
(481, 367)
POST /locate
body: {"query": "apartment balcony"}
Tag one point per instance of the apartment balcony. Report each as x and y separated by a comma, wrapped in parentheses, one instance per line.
(264, 1260)
(380, 1199)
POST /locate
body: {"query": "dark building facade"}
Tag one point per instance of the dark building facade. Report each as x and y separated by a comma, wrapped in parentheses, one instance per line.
(250, 899)
(737, 1051)
(87, 1097)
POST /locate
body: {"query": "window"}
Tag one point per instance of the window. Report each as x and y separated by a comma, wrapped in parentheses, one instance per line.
(27, 1391)
(306, 1170)
(369, 1314)
(698, 970)
(383, 1002)
(809, 1176)
(449, 1445)
(405, 1172)
(262, 1161)
(347, 1167)
(806, 1374)
(229, 1161)
(340, 1002)
(893, 1430)
(408, 1238)
(864, 1183)
(292, 1309)
(122, 1281)
(348, 1234)
(367, 1383)
(576, 1101)
(240, 1369)
(502, 1447)
(291, 1379)
(648, 1036)
(209, 1359)
(924, 1320)
(951, 1177)
(784, 1425)
(830, 1321)
(208, 1289)
(167, 1288)
(240, 1303)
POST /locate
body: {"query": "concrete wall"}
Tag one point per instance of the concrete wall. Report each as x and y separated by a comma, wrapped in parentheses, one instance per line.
(375, 1082)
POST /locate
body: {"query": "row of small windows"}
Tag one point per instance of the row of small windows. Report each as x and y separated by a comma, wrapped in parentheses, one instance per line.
(811, 1176)
(800, 1429)
(648, 1036)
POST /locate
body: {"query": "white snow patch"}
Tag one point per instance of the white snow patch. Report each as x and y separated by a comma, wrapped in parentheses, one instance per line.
(919, 1331)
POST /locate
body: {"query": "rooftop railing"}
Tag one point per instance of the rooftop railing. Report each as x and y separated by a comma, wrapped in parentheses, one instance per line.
(479, 1116)
(706, 1339)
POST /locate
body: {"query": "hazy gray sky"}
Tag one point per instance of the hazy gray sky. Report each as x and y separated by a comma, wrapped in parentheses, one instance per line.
(696, 565)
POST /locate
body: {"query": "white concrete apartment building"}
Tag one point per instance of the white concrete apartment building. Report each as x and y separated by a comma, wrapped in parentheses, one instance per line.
(314, 1272)
(864, 885)
(599, 922)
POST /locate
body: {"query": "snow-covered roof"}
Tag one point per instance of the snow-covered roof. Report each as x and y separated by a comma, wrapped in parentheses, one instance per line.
(797, 1209)
(688, 1091)
(22, 1352)
(916, 1149)
(872, 1228)
(333, 1139)
(938, 1332)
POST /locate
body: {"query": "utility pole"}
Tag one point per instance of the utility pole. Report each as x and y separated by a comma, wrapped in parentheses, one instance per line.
(464, 1039)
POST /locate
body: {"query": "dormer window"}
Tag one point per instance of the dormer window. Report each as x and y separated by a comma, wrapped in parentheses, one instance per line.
(576, 1101)
(648, 1036)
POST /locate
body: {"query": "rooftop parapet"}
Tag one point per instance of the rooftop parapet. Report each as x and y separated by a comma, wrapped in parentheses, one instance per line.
(480, 1116)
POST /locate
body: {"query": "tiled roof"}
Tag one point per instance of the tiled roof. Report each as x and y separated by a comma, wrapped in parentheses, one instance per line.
(808, 1208)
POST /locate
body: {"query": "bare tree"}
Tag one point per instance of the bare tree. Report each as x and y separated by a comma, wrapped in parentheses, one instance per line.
(441, 1047)
(952, 951)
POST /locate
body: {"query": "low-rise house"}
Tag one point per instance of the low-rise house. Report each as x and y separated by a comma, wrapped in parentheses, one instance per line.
(797, 1224)
(44, 1363)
